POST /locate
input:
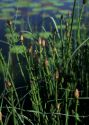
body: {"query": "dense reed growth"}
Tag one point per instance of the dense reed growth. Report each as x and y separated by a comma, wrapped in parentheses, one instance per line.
(46, 75)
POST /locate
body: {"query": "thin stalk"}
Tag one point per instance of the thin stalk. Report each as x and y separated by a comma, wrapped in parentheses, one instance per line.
(66, 108)
(61, 35)
(87, 84)
(9, 75)
(79, 21)
(7, 118)
(56, 27)
(29, 69)
(56, 98)
(13, 108)
(29, 25)
(72, 18)
(76, 51)
(56, 93)
(1, 122)
(21, 70)
(70, 32)
(76, 110)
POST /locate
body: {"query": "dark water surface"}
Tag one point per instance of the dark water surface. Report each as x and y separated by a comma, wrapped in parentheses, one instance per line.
(36, 13)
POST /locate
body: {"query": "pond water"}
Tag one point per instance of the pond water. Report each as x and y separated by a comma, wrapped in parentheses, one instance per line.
(34, 12)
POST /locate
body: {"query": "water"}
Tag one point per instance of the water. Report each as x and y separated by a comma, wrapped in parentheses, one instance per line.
(33, 9)
(33, 12)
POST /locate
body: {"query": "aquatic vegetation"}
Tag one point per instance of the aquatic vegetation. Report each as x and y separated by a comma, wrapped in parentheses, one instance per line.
(45, 76)
(45, 35)
(18, 49)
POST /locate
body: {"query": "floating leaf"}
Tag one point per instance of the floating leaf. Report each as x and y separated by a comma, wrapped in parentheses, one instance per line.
(8, 10)
(35, 5)
(65, 12)
(37, 10)
(49, 8)
(59, 4)
(58, 16)
(5, 16)
(6, 4)
(17, 22)
(21, 4)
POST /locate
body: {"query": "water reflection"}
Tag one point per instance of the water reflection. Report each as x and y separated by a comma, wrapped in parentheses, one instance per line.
(35, 13)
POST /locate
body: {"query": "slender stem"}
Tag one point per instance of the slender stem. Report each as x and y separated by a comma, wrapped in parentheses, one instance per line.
(76, 109)
(72, 18)
(66, 108)
(79, 21)
(21, 70)
(13, 108)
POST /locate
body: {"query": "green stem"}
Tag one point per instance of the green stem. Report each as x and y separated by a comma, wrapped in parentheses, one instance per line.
(79, 21)
(13, 108)
(9, 75)
(72, 19)
(76, 108)
(66, 108)
(21, 70)
(56, 94)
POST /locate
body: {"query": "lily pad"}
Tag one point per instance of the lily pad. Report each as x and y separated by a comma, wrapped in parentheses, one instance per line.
(6, 4)
(35, 5)
(21, 4)
(58, 4)
(65, 12)
(5, 17)
(8, 10)
(58, 15)
(37, 10)
(49, 8)
(17, 22)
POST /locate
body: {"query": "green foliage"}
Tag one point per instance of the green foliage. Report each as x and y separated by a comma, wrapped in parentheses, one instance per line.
(53, 68)
(45, 35)
(1, 67)
(30, 35)
(18, 49)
